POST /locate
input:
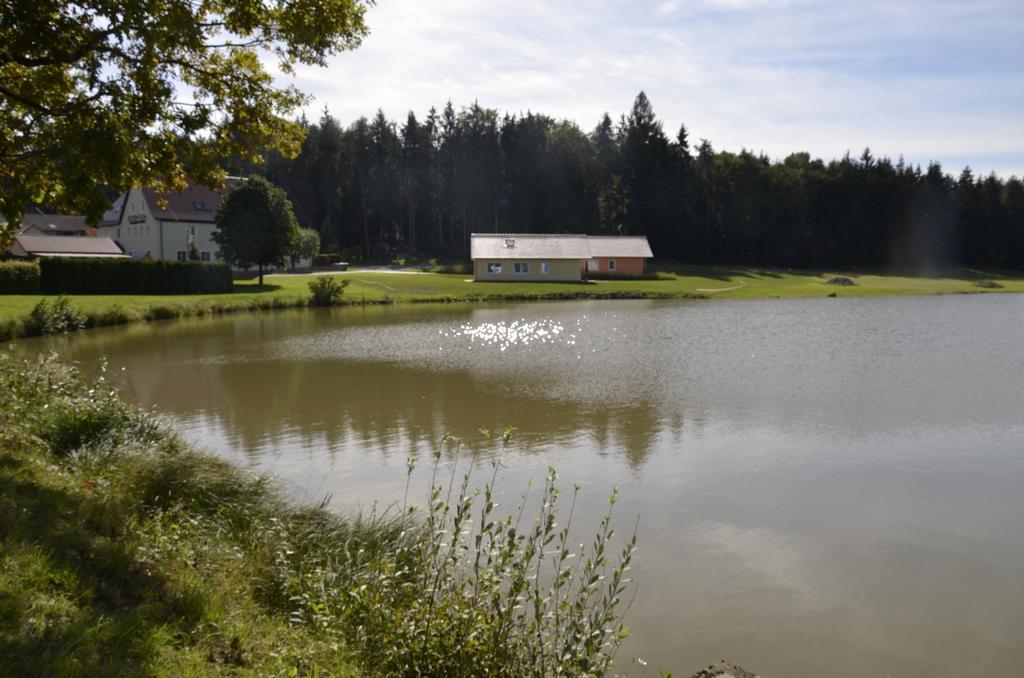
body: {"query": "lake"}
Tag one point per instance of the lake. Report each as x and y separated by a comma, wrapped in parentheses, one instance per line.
(824, 486)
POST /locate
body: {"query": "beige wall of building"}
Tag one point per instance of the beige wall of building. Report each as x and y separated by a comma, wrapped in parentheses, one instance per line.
(558, 270)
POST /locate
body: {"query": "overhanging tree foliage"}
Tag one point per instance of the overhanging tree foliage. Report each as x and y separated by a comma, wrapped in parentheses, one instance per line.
(97, 95)
(256, 226)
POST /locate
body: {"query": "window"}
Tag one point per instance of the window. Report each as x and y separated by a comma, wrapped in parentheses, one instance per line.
(592, 265)
(510, 242)
(201, 207)
(520, 267)
(611, 264)
(206, 256)
(182, 256)
(544, 268)
(493, 268)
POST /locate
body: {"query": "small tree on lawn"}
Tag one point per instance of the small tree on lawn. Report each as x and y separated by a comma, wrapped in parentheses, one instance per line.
(306, 245)
(256, 226)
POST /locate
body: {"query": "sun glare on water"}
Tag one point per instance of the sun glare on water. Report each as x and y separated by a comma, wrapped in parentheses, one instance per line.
(522, 332)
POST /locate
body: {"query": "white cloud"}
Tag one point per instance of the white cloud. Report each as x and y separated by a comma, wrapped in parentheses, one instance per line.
(928, 80)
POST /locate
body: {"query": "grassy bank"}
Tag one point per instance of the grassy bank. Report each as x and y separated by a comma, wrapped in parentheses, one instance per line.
(123, 551)
(368, 287)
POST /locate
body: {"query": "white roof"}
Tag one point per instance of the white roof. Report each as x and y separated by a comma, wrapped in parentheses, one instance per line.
(554, 246)
(619, 246)
(527, 246)
(66, 246)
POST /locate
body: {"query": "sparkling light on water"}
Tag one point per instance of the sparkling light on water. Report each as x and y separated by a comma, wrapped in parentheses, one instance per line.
(522, 332)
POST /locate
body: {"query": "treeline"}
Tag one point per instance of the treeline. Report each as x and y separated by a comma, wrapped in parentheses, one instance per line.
(378, 187)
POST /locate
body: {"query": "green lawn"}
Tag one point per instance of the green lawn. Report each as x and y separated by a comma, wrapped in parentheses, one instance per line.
(376, 286)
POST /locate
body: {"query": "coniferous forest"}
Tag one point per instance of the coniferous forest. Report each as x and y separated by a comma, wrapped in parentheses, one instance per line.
(378, 187)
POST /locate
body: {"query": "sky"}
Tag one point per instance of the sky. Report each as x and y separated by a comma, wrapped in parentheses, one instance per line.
(928, 80)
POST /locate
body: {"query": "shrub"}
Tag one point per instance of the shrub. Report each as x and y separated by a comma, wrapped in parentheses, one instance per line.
(327, 290)
(327, 259)
(59, 317)
(125, 276)
(19, 277)
(461, 267)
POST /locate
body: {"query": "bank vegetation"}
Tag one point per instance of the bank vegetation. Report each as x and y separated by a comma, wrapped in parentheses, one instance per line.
(128, 552)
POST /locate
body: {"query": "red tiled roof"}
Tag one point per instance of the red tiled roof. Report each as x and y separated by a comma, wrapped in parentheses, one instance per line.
(196, 203)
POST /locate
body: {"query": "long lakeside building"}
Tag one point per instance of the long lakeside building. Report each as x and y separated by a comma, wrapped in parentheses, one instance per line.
(553, 257)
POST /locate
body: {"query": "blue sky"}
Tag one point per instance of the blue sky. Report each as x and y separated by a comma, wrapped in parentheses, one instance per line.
(929, 80)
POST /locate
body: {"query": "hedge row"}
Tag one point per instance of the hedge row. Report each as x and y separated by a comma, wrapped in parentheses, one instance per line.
(19, 277)
(125, 276)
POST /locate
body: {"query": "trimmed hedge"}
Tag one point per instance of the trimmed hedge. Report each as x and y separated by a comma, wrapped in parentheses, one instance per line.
(126, 276)
(19, 277)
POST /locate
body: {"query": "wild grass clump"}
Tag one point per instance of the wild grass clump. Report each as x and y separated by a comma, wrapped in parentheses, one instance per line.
(67, 414)
(126, 550)
(56, 317)
(471, 592)
(327, 290)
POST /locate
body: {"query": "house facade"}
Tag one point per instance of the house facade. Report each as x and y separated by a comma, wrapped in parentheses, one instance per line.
(555, 258)
(151, 225)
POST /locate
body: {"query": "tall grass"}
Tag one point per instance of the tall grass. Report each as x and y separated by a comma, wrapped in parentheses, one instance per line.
(465, 591)
(127, 550)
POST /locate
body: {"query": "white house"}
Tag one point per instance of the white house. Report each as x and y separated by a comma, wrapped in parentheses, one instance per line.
(155, 225)
(147, 224)
(556, 257)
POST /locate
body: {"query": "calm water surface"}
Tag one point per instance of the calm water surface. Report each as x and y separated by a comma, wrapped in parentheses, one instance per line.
(825, 486)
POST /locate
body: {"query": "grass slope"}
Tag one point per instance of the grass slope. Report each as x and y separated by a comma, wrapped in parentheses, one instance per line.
(125, 552)
(388, 287)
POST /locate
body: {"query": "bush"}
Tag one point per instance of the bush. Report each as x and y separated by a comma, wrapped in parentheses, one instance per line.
(327, 259)
(125, 276)
(59, 317)
(327, 290)
(19, 277)
(461, 267)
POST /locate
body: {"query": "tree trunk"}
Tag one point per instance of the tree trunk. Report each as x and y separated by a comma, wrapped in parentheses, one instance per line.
(261, 274)
(412, 226)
